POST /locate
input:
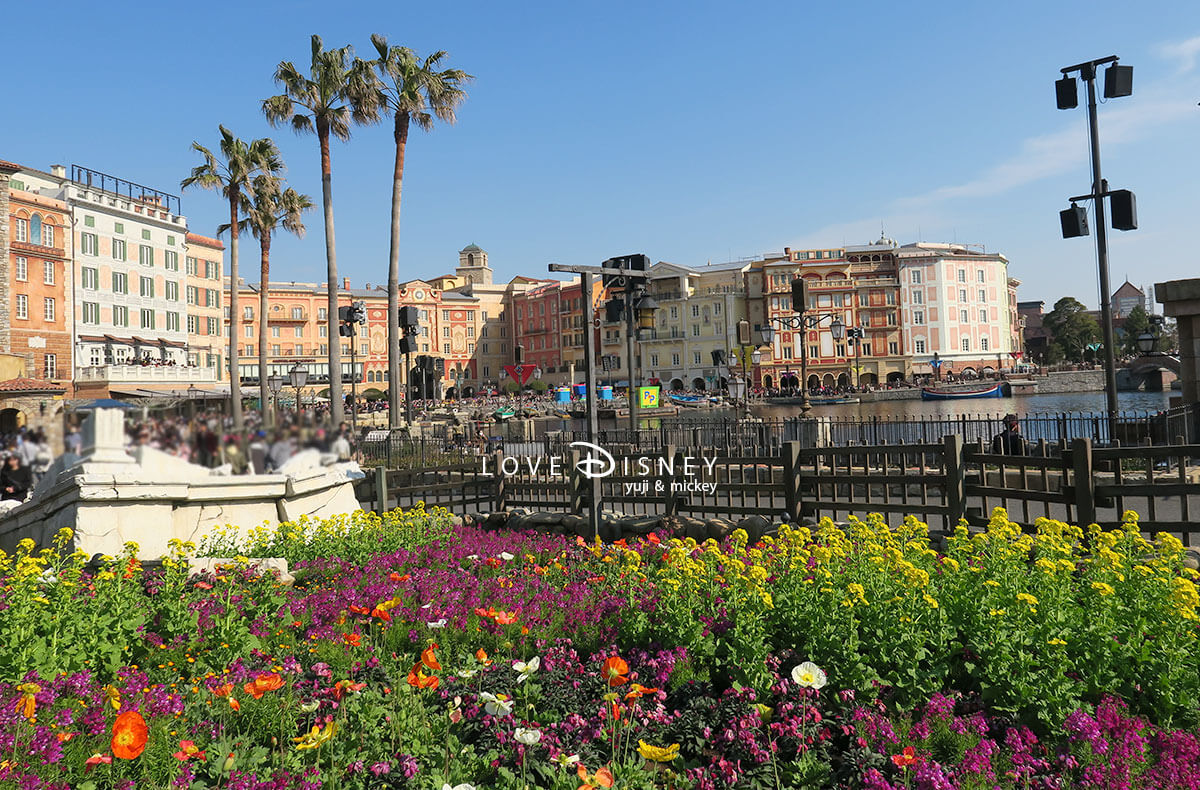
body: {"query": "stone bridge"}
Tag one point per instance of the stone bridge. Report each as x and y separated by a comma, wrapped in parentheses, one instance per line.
(1149, 372)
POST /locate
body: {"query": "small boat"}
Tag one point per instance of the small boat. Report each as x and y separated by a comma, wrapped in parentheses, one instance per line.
(504, 412)
(692, 401)
(832, 401)
(563, 413)
(995, 391)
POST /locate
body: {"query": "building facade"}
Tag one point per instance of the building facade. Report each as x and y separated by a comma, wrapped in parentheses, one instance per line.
(204, 273)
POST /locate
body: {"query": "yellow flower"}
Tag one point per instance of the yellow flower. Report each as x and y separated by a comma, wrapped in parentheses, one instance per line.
(316, 738)
(114, 696)
(658, 754)
(1026, 598)
(930, 601)
(998, 612)
(1057, 642)
(1102, 588)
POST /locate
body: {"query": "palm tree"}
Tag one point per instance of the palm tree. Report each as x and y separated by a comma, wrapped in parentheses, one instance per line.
(233, 174)
(339, 88)
(413, 91)
(267, 208)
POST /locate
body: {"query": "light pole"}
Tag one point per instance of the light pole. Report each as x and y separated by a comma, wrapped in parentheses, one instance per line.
(192, 399)
(298, 376)
(275, 384)
(855, 335)
(639, 315)
(1118, 81)
(755, 358)
(803, 322)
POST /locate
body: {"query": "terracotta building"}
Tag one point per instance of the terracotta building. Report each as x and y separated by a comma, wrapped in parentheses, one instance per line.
(204, 271)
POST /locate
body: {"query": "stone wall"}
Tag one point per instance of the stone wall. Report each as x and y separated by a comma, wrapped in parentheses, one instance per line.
(1070, 381)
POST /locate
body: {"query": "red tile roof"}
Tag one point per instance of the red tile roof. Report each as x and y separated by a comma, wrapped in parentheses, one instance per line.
(30, 385)
(196, 238)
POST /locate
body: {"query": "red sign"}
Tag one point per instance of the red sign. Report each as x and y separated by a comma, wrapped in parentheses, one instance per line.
(519, 373)
(1016, 354)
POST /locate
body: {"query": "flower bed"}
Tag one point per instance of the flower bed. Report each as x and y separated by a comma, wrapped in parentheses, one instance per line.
(412, 654)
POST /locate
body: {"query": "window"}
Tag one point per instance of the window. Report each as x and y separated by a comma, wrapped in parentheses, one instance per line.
(445, 348)
(962, 317)
(248, 331)
(89, 244)
(962, 275)
(89, 278)
(96, 355)
(298, 331)
(120, 315)
(893, 348)
(22, 306)
(674, 312)
(984, 344)
(22, 230)
(325, 349)
(695, 357)
(213, 327)
(983, 316)
(865, 349)
(814, 352)
(192, 266)
(91, 312)
(212, 270)
(172, 322)
(275, 331)
(50, 367)
(918, 317)
(275, 351)
(298, 312)
(118, 249)
(916, 276)
(323, 313)
(966, 341)
(22, 270)
(147, 319)
(675, 360)
(146, 287)
(982, 295)
(47, 235)
(211, 299)
(171, 260)
(146, 235)
(48, 272)
(193, 295)
(445, 331)
(171, 241)
(193, 325)
(891, 297)
(120, 283)
(695, 330)
(172, 289)
(470, 348)
(445, 315)
(654, 360)
(919, 346)
(248, 313)
(470, 331)
(145, 255)
(839, 350)
(118, 227)
(695, 311)
(48, 308)
(962, 294)
(918, 296)
(979, 276)
(717, 309)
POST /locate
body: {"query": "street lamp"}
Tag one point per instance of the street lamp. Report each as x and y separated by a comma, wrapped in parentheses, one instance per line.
(1147, 341)
(192, 390)
(298, 376)
(803, 322)
(1118, 81)
(275, 383)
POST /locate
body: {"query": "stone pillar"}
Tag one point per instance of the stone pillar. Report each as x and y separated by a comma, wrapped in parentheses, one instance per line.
(104, 437)
(1181, 300)
(7, 169)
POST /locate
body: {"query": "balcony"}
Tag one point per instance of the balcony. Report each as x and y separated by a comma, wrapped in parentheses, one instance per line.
(143, 374)
(289, 318)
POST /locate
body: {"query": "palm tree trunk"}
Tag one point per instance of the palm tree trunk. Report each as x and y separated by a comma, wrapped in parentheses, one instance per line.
(335, 341)
(235, 392)
(264, 392)
(394, 383)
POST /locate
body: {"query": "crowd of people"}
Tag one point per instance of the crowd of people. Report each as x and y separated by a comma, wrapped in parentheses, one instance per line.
(27, 456)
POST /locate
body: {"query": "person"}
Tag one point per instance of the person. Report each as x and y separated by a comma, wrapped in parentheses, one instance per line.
(280, 451)
(15, 479)
(237, 460)
(1009, 441)
(340, 446)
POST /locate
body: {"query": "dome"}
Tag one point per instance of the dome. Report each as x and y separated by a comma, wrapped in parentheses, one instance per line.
(884, 241)
(472, 247)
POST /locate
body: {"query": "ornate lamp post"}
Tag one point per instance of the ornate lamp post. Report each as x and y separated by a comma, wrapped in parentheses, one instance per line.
(298, 376)
(803, 322)
(275, 383)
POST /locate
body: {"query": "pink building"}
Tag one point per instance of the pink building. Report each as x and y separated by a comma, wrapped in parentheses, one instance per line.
(958, 304)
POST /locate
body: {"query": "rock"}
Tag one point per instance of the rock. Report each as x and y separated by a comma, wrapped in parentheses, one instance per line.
(495, 521)
(576, 525)
(1191, 559)
(262, 564)
(640, 525)
(610, 531)
(719, 528)
(755, 526)
(693, 528)
(545, 519)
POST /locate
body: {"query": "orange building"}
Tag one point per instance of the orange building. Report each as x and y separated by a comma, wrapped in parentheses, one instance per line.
(39, 270)
(205, 315)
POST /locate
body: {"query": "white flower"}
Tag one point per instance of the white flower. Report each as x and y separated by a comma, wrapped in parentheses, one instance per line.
(527, 737)
(438, 623)
(463, 786)
(808, 675)
(527, 669)
(504, 555)
(426, 606)
(468, 673)
(565, 760)
(498, 705)
(472, 556)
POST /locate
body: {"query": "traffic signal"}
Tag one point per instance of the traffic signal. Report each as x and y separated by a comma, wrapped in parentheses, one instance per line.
(409, 317)
(799, 295)
(358, 312)
(344, 313)
(614, 310)
(345, 330)
(1124, 209)
(407, 345)
(439, 366)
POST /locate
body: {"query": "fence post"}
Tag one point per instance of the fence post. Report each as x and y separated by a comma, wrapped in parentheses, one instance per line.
(791, 479)
(499, 495)
(1085, 482)
(670, 507)
(952, 460)
(381, 490)
(576, 484)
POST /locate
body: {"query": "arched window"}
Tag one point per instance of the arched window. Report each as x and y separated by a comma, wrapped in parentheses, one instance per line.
(470, 259)
(35, 229)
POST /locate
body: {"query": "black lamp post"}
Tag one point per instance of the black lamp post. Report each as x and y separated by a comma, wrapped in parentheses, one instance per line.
(804, 322)
(298, 376)
(1147, 341)
(275, 384)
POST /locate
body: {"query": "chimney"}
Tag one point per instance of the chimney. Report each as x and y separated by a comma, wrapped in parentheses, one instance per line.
(346, 283)
(787, 253)
(58, 171)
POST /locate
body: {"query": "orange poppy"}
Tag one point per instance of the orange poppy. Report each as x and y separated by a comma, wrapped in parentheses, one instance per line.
(97, 759)
(429, 659)
(506, 618)
(489, 612)
(621, 544)
(223, 691)
(602, 778)
(129, 735)
(360, 610)
(383, 614)
(269, 681)
(353, 639)
(492, 562)
(398, 578)
(637, 691)
(614, 671)
(419, 680)
(237, 706)
(906, 758)
(482, 657)
(654, 539)
(342, 686)
(188, 750)
(63, 737)
(616, 711)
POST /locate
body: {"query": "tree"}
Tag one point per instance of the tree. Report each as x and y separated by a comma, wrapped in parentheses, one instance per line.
(1071, 328)
(1135, 325)
(413, 91)
(339, 88)
(268, 207)
(233, 174)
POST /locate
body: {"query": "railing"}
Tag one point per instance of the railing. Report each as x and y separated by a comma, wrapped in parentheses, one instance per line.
(171, 373)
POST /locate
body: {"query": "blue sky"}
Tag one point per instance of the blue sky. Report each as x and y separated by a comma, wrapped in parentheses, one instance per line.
(692, 132)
